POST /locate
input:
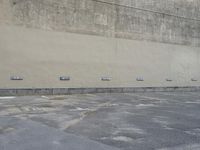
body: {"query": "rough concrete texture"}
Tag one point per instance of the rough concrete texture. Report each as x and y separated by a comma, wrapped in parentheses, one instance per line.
(70, 91)
(42, 40)
(129, 121)
(164, 21)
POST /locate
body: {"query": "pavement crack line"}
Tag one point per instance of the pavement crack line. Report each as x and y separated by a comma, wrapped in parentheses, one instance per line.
(83, 115)
(151, 98)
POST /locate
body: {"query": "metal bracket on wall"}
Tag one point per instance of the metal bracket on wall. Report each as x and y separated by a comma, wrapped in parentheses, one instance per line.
(169, 80)
(64, 78)
(16, 78)
(194, 80)
(140, 79)
(106, 79)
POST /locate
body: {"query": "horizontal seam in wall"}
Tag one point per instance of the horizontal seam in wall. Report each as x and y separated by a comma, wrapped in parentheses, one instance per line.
(147, 10)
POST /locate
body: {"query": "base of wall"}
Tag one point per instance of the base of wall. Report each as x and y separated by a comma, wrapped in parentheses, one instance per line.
(67, 91)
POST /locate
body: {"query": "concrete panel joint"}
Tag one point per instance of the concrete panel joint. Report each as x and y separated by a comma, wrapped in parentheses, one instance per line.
(66, 91)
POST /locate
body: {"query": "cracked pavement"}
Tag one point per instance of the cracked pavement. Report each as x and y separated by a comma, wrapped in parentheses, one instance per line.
(130, 121)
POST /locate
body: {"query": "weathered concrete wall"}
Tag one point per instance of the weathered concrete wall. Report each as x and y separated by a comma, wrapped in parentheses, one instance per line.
(166, 21)
(42, 40)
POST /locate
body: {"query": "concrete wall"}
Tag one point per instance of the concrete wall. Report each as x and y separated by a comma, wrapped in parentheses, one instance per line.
(168, 21)
(41, 40)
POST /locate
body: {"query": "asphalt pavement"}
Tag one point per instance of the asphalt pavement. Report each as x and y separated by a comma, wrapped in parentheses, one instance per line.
(128, 121)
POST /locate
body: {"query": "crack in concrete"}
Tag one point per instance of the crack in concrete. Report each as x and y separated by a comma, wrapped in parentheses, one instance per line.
(83, 115)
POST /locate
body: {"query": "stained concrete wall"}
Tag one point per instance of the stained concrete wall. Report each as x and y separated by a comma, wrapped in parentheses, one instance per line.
(42, 40)
(166, 21)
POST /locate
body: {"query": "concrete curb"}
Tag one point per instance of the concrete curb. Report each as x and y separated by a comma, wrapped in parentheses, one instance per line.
(67, 91)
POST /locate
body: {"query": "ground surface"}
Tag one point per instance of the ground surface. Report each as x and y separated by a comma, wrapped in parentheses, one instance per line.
(138, 121)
